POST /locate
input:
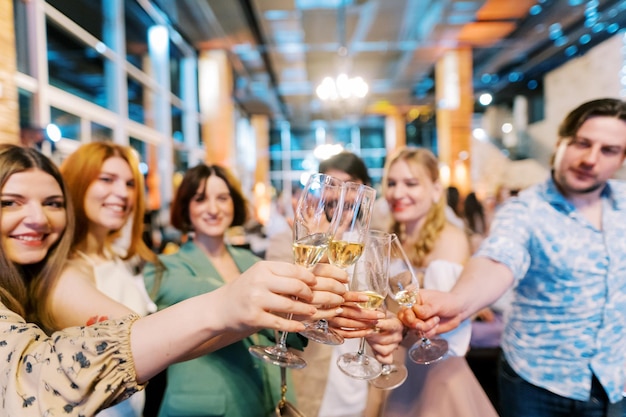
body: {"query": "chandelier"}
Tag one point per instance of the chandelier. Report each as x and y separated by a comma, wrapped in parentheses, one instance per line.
(342, 88)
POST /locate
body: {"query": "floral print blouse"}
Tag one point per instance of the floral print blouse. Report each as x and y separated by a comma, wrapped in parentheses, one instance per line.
(74, 372)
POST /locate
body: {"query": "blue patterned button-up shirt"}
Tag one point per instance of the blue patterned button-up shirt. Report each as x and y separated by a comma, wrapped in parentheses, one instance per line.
(568, 318)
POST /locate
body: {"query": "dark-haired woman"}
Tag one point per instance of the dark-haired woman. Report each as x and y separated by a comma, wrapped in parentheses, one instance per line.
(228, 382)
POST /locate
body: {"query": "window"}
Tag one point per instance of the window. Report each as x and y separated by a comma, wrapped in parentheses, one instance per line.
(68, 123)
(75, 67)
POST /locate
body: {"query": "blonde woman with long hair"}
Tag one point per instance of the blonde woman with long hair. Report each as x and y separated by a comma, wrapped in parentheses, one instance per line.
(437, 249)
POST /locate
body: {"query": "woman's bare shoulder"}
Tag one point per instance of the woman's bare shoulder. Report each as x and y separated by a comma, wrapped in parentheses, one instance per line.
(452, 245)
(78, 268)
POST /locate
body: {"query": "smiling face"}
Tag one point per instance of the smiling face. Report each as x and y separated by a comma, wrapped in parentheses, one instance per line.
(584, 162)
(211, 210)
(110, 198)
(410, 192)
(33, 216)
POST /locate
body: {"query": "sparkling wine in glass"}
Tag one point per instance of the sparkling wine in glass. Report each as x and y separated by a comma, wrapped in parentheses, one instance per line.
(404, 288)
(315, 221)
(308, 250)
(369, 278)
(345, 246)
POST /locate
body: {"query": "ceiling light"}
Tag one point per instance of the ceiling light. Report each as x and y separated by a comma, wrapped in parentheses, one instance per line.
(485, 99)
(327, 150)
(53, 132)
(480, 134)
(342, 88)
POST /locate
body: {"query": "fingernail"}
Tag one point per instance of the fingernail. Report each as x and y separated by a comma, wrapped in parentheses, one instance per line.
(339, 310)
(380, 315)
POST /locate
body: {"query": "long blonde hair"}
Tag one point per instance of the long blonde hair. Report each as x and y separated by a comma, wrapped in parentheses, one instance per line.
(435, 218)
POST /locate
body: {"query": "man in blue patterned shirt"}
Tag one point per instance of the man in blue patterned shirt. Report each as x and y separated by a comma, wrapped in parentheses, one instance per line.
(562, 244)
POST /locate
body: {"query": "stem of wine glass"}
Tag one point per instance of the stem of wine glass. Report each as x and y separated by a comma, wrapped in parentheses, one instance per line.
(425, 352)
(318, 331)
(282, 340)
(361, 350)
(322, 324)
(423, 339)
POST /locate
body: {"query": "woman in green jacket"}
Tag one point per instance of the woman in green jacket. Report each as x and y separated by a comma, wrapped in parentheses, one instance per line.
(228, 382)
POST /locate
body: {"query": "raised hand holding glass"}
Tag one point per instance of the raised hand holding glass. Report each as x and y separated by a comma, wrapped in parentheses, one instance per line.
(315, 221)
(404, 288)
(391, 376)
(369, 278)
(346, 245)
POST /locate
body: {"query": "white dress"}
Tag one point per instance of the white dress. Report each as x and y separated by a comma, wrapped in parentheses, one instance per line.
(344, 396)
(442, 275)
(115, 279)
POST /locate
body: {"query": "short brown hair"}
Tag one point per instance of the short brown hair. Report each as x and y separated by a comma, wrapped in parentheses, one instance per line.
(193, 179)
(607, 107)
(349, 163)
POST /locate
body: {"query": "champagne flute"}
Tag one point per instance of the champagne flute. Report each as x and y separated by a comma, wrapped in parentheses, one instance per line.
(370, 278)
(392, 375)
(404, 287)
(346, 246)
(315, 220)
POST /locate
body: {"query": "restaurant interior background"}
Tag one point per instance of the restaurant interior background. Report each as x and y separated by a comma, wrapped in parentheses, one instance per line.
(257, 84)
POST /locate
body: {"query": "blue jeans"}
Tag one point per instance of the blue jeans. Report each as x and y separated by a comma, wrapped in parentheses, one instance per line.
(519, 398)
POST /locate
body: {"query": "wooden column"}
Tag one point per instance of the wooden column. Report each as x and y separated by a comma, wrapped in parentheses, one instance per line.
(261, 126)
(395, 132)
(215, 86)
(455, 105)
(262, 189)
(9, 107)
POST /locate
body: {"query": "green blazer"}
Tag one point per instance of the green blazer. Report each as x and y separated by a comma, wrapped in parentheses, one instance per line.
(229, 382)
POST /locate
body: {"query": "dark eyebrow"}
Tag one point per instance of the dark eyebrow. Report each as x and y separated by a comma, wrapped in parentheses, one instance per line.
(612, 148)
(14, 195)
(577, 137)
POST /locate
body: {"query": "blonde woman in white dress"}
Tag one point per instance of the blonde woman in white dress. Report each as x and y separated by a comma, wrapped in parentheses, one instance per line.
(416, 199)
